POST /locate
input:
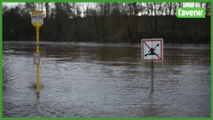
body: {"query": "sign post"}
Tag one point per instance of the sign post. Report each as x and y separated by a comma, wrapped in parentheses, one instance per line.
(152, 77)
(37, 22)
(152, 51)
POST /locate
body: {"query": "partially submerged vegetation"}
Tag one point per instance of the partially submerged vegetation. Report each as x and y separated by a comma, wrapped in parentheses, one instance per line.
(106, 22)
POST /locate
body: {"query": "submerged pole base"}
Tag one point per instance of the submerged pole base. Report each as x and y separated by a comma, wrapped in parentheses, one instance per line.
(38, 94)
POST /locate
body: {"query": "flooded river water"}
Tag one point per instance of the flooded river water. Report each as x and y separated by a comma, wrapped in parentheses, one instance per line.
(105, 80)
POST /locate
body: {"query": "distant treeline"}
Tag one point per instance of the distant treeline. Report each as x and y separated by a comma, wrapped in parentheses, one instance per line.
(105, 22)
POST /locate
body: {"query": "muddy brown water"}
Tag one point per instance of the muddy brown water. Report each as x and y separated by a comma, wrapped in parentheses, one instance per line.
(105, 80)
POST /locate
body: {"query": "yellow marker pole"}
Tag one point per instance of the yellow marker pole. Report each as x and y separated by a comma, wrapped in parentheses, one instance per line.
(37, 66)
(37, 21)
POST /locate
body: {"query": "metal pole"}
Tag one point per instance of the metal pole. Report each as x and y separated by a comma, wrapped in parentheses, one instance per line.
(37, 66)
(152, 77)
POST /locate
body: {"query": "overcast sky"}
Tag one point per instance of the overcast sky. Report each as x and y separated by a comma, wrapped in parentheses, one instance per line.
(10, 4)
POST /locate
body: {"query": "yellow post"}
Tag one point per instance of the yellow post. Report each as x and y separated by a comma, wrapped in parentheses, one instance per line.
(37, 21)
(37, 66)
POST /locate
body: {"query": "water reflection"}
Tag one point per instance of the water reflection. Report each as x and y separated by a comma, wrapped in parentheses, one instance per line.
(106, 80)
(151, 110)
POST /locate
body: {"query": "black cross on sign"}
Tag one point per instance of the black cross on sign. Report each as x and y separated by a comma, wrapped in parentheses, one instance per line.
(152, 50)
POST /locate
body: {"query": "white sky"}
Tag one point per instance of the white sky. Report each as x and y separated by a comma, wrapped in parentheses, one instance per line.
(11, 4)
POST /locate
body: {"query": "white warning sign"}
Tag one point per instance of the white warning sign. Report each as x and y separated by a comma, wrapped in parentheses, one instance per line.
(36, 58)
(152, 50)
